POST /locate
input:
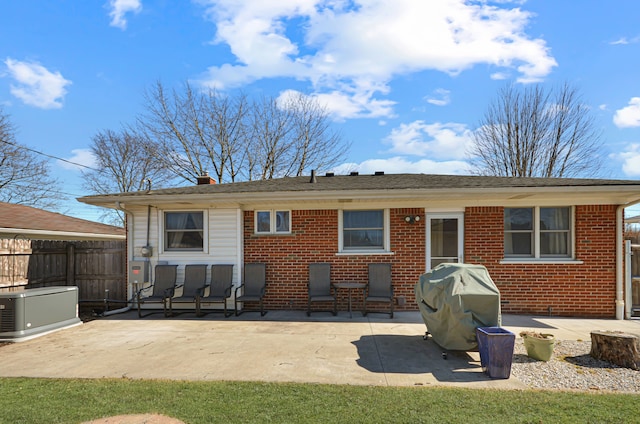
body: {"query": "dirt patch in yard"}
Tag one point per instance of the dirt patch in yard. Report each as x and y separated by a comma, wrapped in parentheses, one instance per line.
(136, 419)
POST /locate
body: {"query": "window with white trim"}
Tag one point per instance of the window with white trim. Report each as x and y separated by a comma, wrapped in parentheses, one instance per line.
(184, 231)
(538, 232)
(272, 222)
(364, 230)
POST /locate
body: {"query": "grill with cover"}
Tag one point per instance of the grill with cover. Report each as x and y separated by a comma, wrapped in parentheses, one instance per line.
(455, 299)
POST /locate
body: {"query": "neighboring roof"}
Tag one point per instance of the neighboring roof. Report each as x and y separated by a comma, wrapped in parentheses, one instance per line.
(31, 223)
(383, 186)
(633, 220)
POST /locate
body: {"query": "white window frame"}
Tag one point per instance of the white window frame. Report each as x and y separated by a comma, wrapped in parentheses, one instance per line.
(536, 256)
(386, 234)
(205, 232)
(442, 215)
(273, 216)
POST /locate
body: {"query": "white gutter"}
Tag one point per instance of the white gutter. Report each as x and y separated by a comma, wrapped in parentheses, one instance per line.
(599, 194)
(620, 306)
(60, 235)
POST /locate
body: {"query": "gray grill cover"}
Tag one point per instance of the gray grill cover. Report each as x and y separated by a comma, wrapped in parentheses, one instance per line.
(454, 299)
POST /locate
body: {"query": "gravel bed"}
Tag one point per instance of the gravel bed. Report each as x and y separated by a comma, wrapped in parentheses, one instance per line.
(572, 368)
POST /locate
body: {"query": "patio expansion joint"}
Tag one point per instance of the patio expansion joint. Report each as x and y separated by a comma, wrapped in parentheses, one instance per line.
(378, 354)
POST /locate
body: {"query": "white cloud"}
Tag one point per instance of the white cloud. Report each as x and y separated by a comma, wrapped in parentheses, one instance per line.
(346, 105)
(499, 76)
(36, 85)
(401, 165)
(441, 97)
(438, 141)
(624, 41)
(359, 47)
(81, 159)
(630, 160)
(118, 10)
(628, 116)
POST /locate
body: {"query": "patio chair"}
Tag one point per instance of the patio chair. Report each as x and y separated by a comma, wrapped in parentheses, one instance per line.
(219, 288)
(195, 278)
(162, 288)
(253, 287)
(320, 288)
(379, 289)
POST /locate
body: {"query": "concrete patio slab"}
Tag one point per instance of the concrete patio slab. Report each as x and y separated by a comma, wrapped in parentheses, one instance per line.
(283, 346)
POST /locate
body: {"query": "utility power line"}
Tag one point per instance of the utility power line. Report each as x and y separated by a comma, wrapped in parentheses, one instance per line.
(21, 146)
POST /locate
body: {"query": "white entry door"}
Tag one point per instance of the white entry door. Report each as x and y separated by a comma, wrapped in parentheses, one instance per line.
(445, 238)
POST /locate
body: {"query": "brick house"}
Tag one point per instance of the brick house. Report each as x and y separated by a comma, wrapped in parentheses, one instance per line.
(552, 246)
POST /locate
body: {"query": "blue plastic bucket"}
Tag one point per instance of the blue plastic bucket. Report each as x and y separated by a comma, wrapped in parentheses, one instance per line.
(496, 350)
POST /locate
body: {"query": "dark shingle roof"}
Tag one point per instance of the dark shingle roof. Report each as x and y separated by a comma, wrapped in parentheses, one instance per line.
(379, 182)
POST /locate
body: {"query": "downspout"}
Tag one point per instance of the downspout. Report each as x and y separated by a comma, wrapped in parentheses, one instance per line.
(620, 259)
(148, 224)
(129, 293)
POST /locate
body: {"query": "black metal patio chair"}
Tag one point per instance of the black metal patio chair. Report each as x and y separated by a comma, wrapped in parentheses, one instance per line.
(320, 288)
(379, 288)
(219, 288)
(253, 288)
(195, 278)
(162, 288)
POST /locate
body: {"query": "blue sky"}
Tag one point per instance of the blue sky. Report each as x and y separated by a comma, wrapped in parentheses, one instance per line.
(406, 81)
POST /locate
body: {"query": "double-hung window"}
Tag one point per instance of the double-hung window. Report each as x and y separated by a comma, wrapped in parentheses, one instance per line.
(538, 232)
(184, 231)
(364, 230)
(273, 222)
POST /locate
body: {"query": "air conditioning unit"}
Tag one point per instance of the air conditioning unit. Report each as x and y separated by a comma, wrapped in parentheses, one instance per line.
(29, 313)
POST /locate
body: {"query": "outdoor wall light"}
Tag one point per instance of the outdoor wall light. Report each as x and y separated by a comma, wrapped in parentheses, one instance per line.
(411, 219)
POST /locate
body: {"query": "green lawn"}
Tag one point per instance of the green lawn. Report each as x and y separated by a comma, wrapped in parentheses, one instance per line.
(30, 401)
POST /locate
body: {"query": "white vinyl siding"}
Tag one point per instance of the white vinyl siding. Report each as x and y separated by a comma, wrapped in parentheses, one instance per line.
(222, 244)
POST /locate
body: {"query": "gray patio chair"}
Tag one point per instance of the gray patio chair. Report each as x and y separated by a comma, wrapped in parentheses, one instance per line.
(195, 278)
(253, 288)
(219, 288)
(320, 288)
(162, 288)
(380, 288)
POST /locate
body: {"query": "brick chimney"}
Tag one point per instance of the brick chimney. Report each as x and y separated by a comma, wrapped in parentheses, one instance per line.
(205, 179)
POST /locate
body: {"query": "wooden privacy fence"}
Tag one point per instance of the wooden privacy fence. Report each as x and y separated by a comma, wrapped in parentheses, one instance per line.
(93, 266)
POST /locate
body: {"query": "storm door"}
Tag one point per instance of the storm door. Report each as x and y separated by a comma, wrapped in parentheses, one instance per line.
(445, 238)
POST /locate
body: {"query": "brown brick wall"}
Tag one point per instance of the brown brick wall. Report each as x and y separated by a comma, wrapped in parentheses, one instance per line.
(314, 238)
(586, 289)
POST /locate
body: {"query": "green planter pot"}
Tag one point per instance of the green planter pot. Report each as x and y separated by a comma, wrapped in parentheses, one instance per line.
(539, 348)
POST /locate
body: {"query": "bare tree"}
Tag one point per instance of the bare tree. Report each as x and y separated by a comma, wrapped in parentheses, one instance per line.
(25, 179)
(168, 122)
(226, 120)
(311, 141)
(196, 132)
(270, 126)
(535, 133)
(236, 138)
(126, 162)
